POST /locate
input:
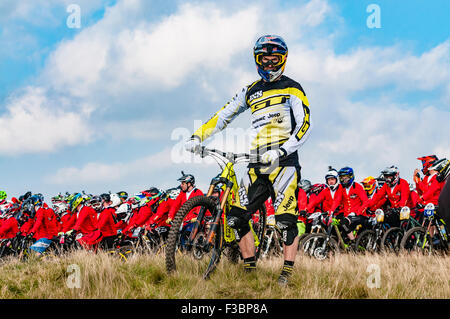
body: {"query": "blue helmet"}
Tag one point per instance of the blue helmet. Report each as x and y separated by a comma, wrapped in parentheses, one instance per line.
(270, 45)
(346, 176)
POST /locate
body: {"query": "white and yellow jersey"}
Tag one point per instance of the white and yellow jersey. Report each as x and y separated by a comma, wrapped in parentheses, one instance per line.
(280, 117)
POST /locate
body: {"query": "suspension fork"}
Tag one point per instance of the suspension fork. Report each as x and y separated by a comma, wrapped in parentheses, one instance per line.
(215, 223)
(200, 216)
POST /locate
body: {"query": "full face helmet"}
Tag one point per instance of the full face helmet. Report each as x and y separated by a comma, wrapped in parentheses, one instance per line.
(272, 45)
(332, 173)
(346, 176)
(369, 185)
(442, 167)
(391, 175)
(426, 162)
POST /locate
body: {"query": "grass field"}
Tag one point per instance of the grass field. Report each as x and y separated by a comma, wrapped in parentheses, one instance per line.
(144, 276)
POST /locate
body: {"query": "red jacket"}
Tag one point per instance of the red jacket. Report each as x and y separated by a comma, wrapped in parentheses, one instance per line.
(9, 228)
(106, 222)
(422, 185)
(354, 200)
(180, 200)
(302, 203)
(330, 200)
(373, 206)
(46, 224)
(26, 227)
(162, 213)
(432, 191)
(68, 221)
(397, 196)
(86, 220)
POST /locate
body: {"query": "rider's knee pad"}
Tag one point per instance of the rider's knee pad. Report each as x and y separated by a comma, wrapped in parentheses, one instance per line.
(238, 219)
(346, 222)
(287, 223)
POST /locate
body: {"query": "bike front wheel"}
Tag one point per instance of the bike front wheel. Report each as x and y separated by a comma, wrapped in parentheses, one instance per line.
(199, 254)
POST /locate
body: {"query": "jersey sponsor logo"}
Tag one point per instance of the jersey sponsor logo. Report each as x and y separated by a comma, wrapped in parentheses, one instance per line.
(289, 203)
(255, 95)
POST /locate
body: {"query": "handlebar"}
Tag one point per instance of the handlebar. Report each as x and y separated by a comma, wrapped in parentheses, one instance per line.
(230, 156)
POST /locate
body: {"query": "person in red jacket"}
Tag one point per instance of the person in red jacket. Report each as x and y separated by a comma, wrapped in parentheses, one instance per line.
(9, 226)
(66, 217)
(371, 187)
(354, 202)
(107, 222)
(395, 190)
(188, 191)
(330, 197)
(431, 189)
(159, 219)
(86, 222)
(422, 183)
(46, 223)
(146, 211)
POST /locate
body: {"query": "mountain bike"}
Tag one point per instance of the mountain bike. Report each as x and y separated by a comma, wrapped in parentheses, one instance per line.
(317, 226)
(272, 242)
(211, 235)
(369, 240)
(393, 236)
(428, 238)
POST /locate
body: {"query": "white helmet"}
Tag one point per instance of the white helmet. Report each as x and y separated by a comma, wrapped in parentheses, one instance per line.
(332, 173)
(115, 200)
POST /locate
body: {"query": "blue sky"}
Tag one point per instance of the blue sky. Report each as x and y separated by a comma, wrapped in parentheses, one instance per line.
(96, 108)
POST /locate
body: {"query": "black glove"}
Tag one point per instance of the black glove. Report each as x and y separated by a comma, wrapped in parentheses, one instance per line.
(302, 213)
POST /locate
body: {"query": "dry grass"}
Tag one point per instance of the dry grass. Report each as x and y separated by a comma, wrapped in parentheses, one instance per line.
(144, 276)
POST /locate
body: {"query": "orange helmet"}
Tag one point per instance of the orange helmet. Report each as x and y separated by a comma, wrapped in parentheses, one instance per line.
(369, 184)
(426, 162)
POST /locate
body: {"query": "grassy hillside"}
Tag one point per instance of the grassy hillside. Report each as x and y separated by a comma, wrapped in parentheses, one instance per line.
(144, 276)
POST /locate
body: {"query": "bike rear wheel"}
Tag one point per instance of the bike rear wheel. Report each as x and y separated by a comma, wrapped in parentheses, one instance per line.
(318, 246)
(416, 239)
(390, 242)
(367, 241)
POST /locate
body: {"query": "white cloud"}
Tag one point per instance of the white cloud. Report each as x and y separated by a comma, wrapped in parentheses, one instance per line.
(33, 123)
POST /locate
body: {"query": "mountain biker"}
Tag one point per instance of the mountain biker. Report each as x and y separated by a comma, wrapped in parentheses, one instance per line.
(330, 197)
(314, 205)
(46, 223)
(159, 219)
(9, 226)
(280, 125)
(188, 191)
(431, 188)
(354, 202)
(107, 221)
(371, 187)
(302, 203)
(422, 183)
(145, 212)
(86, 222)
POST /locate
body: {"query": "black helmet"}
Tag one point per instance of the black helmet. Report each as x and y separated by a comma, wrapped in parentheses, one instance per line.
(188, 178)
(105, 197)
(305, 185)
(442, 166)
(123, 195)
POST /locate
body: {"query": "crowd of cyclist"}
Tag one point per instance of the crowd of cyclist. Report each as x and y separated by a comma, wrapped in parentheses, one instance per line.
(98, 220)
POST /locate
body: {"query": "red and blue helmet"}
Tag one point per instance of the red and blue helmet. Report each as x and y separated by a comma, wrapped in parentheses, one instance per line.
(270, 45)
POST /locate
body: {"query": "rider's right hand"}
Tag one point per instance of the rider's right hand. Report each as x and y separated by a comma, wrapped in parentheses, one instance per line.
(192, 145)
